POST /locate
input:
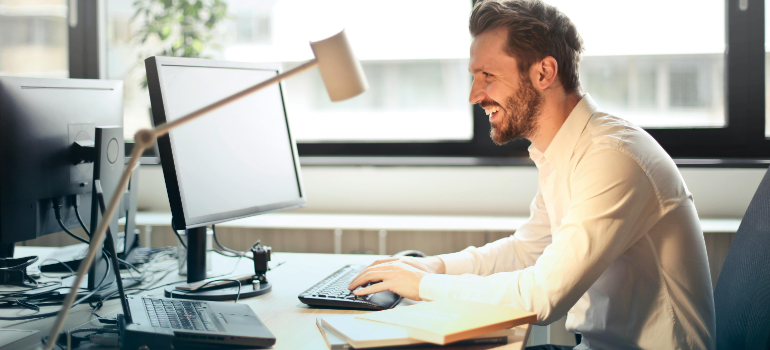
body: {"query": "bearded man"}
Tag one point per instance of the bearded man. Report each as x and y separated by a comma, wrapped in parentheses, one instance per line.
(613, 240)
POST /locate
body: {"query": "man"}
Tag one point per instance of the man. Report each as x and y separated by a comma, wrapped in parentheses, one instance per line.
(613, 240)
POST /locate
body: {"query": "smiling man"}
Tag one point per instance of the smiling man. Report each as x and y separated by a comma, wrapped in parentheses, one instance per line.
(613, 240)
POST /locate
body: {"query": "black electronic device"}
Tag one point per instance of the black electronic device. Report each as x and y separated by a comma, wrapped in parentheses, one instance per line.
(108, 166)
(333, 291)
(238, 161)
(68, 258)
(48, 131)
(166, 323)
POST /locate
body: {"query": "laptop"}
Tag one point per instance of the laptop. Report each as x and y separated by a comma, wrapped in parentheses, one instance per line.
(164, 323)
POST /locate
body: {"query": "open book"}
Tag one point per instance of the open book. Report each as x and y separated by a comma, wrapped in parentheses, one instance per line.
(447, 321)
(345, 332)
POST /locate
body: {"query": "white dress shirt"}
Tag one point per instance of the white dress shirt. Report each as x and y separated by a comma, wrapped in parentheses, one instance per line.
(613, 241)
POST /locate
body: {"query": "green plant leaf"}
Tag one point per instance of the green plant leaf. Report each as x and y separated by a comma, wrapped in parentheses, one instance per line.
(164, 32)
(197, 45)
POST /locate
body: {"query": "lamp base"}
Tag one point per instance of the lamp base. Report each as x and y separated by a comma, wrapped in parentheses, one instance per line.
(227, 293)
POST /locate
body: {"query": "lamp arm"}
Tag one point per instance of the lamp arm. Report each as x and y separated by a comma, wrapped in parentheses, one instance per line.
(144, 139)
(97, 240)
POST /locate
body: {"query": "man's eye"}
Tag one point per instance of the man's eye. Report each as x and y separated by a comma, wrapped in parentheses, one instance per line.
(487, 74)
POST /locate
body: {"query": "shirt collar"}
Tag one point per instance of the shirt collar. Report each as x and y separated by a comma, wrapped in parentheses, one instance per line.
(563, 144)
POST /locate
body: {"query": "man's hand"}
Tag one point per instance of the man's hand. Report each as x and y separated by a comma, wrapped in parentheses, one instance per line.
(398, 275)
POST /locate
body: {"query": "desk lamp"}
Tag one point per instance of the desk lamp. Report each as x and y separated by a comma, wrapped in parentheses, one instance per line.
(343, 77)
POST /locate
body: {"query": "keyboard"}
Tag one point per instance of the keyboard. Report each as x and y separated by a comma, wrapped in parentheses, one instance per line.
(333, 291)
(178, 314)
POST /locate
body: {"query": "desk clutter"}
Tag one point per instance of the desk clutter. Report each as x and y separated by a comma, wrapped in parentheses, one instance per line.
(276, 318)
(439, 323)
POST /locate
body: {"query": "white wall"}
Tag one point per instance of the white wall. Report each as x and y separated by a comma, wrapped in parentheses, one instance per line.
(487, 191)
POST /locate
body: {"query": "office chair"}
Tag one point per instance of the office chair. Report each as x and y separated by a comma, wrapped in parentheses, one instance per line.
(742, 294)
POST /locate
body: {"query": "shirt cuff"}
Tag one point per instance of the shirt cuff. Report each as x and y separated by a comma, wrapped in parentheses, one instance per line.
(457, 263)
(436, 287)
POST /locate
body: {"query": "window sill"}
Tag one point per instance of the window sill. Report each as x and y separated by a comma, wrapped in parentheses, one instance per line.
(486, 161)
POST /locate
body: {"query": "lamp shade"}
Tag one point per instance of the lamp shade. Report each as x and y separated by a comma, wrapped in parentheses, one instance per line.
(340, 70)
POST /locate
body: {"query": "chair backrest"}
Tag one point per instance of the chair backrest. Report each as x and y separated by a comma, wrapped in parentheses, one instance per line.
(742, 294)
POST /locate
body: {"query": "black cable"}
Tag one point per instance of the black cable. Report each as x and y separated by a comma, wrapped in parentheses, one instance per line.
(233, 253)
(142, 278)
(72, 272)
(237, 296)
(77, 302)
(80, 220)
(237, 253)
(57, 212)
(31, 260)
(177, 234)
(12, 293)
(83, 226)
(63, 335)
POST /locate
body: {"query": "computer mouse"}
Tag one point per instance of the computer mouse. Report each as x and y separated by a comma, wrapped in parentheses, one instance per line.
(412, 253)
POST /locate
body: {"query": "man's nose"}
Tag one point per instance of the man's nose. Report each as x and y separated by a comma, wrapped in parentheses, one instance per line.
(477, 93)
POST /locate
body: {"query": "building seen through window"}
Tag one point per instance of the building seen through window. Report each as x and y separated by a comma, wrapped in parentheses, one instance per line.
(34, 38)
(415, 56)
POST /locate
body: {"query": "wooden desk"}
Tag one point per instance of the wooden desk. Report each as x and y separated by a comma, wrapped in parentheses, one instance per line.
(292, 322)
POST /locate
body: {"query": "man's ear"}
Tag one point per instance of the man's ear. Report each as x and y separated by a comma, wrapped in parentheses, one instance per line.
(545, 71)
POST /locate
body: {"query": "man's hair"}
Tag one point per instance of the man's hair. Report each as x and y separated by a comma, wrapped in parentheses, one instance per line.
(536, 30)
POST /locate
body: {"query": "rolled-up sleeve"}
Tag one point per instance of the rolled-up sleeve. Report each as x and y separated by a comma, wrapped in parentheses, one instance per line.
(612, 205)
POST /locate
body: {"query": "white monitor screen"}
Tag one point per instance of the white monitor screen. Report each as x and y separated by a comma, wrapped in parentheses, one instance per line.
(234, 159)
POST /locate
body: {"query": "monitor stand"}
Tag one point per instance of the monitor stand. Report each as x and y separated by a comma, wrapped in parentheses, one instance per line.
(6, 250)
(196, 271)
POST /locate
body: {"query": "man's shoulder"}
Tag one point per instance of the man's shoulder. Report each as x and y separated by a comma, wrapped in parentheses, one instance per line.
(606, 132)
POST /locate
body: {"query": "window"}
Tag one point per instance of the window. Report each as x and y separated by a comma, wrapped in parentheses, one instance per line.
(34, 39)
(413, 82)
(657, 76)
(662, 64)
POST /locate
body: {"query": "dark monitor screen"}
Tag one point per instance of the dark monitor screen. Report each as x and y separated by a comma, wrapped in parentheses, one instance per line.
(39, 121)
(236, 161)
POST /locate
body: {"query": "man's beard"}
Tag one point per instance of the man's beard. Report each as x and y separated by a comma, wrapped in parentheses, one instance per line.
(520, 117)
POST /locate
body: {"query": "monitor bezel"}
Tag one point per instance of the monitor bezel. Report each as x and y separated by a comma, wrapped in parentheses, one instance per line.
(181, 220)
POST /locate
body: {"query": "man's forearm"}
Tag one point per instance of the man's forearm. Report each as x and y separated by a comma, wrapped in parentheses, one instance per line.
(435, 264)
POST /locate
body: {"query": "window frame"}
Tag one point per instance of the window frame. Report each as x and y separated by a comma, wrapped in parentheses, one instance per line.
(741, 143)
(85, 39)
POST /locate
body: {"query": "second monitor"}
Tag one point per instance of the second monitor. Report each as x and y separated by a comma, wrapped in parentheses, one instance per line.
(238, 161)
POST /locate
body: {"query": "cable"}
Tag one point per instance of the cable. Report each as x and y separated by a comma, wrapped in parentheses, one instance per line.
(57, 207)
(233, 253)
(77, 302)
(72, 272)
(237, 253)
(80, 220)
(237, 296)
(57, 212)
(69, 339)
(181, 241)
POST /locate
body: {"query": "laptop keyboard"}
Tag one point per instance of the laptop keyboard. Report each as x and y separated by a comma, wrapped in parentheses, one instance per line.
(178, 314)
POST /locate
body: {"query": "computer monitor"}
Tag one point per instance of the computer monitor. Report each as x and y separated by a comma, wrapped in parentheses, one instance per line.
(40, 120)
(238, 161)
